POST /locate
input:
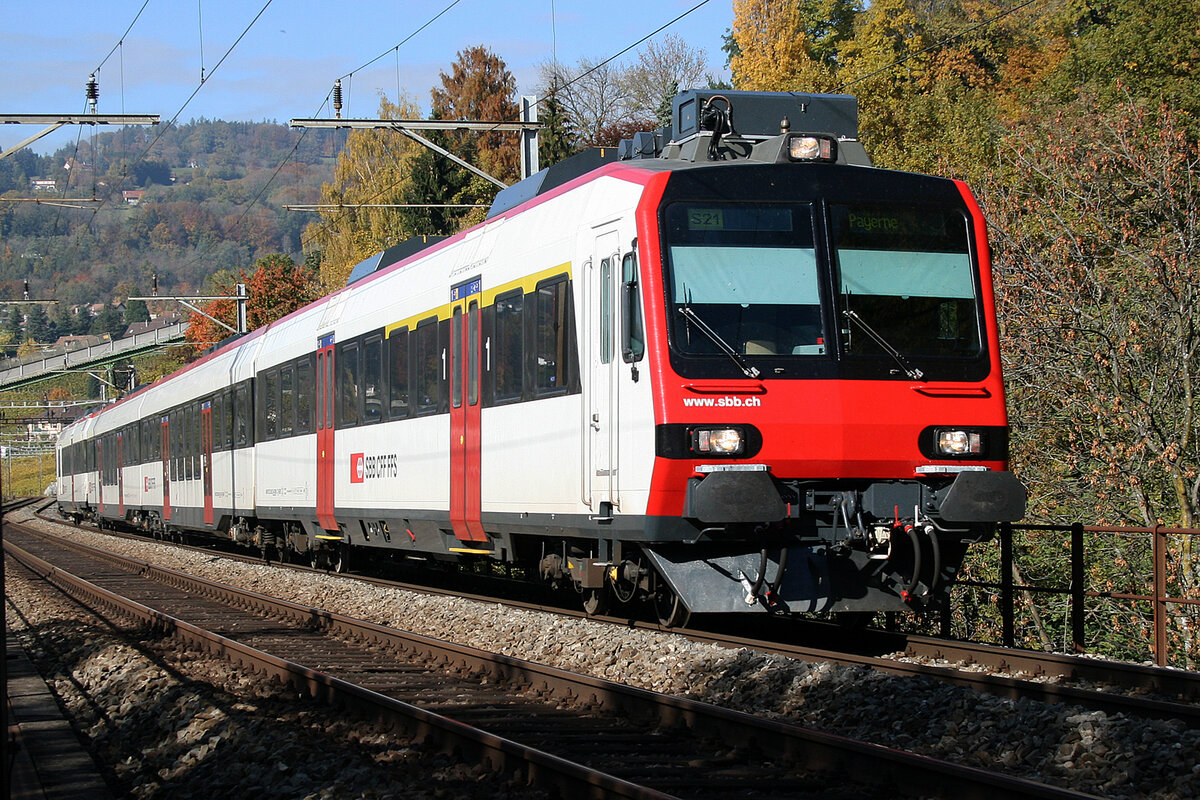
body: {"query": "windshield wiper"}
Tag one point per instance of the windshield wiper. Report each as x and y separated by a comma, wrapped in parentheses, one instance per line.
(909, 370)
(747, 370)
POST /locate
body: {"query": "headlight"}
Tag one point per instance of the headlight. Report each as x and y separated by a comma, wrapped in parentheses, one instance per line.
(719, 441)
(959, 442)
(811, 148)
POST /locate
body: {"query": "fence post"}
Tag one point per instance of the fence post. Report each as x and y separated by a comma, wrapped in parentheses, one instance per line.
(1160, 596)
(1006, 584)
(1077, 593)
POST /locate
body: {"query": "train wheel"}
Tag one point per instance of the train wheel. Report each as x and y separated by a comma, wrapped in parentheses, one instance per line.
(671, 611)
(596, 601)
(339, 559)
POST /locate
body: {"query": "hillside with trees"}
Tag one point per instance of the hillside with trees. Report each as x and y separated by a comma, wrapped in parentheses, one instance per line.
(208, 194)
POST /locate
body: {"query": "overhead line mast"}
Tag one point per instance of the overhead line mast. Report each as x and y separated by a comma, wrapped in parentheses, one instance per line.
(528, 127)
(56, 121)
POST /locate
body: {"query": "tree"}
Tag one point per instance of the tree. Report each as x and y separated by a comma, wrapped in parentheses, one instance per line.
(373, 169)
(136, 311)
(1145, 49)
(557, 137)
(275, 287)
(65, 323)
(1098, 257)
(479, 86)
(37, 326)
(110, 322)
(434, 180)
(592, 95)
(783, 45)
(662, 68)
(13, 329)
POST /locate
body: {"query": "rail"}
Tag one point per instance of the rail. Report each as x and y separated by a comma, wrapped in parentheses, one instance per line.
(801, 748)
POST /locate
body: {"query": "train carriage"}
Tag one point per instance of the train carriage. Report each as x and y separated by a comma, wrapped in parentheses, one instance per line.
(738, 369)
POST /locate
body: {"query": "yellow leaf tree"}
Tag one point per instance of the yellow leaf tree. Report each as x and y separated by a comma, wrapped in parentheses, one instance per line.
(786, 45)
(372, 170)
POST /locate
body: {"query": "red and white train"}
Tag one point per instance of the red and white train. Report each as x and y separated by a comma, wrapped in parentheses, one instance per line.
(735, 370)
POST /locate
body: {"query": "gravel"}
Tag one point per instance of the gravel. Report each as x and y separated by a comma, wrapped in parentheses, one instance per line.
(1109, 755)
(167, 721)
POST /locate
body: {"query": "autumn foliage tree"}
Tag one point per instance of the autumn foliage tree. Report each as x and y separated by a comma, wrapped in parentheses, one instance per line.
(1096, 246)
(479, 86)
(785, 45)
(372, 171)
(275, 287)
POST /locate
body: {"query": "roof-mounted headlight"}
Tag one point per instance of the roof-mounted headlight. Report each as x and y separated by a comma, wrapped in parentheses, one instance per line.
(806, 147)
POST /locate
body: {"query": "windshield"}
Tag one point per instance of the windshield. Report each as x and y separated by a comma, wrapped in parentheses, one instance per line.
(747, 273)
(906, 273)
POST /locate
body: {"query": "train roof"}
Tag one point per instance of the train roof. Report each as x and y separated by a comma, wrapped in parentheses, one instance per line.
(711, 126)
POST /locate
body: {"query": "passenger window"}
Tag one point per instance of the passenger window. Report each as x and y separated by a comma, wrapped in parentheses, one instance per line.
(270, 405)
(428, 366)
(304, 395)
(372, 390)
(350, 373)
(551, 338)
(188, 443)
(398, 374)
(241, 416)
(509, 355)
(287, 396)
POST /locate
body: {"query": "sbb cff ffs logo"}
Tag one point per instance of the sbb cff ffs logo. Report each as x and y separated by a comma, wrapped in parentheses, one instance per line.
(364, 467)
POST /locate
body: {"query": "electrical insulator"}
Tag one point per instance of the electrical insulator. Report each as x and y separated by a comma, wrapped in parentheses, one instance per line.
(93, 92)
(26, 290)
(337, 98)
(154, 285)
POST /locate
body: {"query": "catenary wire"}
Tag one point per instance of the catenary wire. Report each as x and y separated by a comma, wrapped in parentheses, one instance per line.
(123, 35)
(186, 102)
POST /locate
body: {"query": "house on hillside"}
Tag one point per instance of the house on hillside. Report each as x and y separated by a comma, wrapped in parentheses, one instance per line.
(43, 185)
(75, 342)
(133, 196)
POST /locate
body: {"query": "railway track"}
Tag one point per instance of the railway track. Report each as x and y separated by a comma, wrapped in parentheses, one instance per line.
(577, 735)
(1113, 687)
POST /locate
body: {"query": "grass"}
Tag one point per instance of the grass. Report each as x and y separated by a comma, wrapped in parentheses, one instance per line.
(26, 476)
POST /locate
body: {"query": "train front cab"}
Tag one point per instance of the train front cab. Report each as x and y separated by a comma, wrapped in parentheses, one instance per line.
(830, 425)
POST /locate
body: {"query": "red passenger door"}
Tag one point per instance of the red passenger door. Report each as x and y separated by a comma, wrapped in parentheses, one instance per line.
(465, 407)
(206, 448)
(324, 401)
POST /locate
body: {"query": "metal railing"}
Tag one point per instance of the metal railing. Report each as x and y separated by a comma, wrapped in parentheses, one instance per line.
(24, 371)
(1078, 593)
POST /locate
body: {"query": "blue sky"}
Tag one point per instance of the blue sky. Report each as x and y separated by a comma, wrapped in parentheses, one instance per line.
(285, 65)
